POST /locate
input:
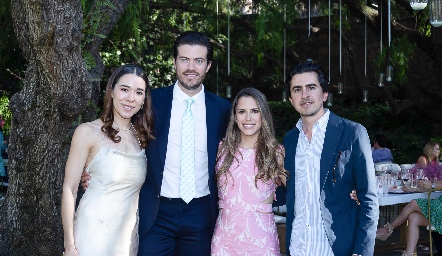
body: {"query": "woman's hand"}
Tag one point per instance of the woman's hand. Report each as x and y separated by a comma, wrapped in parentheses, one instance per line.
(407, 188)
(424, 184)
(354, 197)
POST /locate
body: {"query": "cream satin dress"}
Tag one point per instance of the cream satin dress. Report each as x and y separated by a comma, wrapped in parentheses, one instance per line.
(106, 221)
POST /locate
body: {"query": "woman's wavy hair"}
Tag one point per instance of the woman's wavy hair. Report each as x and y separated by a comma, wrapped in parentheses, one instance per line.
(428, 150)
(142, 120)
(269, 153)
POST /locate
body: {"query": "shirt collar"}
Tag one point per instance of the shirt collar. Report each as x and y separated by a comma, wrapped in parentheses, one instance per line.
(182, 96)
(321, 123)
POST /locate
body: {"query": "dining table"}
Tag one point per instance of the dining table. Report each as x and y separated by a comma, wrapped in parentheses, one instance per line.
(400, 198)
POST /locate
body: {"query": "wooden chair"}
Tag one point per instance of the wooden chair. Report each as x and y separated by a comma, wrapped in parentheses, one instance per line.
(430, 227)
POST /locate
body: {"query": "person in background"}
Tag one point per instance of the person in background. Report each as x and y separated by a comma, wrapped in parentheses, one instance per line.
(380, 152)
(430, 155)
(249, 169)
(111, 150)
(416, 211)
(327, 156)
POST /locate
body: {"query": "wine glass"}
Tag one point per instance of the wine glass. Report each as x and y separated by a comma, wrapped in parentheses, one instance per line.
(406, 178)
(420, 175)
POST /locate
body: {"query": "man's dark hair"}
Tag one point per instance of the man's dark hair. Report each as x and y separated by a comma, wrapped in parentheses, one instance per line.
(306, 67)
(193, 38)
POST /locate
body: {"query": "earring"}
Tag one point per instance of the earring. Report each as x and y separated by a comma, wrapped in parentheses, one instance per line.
(141, 106)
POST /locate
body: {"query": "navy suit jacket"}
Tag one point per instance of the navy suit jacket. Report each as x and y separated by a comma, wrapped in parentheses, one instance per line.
(352, 227)
(217, 117)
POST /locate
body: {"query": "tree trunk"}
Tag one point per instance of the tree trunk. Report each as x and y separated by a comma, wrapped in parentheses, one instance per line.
(56, 89)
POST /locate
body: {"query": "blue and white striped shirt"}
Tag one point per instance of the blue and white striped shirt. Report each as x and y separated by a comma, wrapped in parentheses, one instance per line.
(308, 232)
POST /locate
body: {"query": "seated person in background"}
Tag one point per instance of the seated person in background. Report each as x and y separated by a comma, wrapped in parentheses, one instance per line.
(416, 212)
(431, 154)
(379, 151)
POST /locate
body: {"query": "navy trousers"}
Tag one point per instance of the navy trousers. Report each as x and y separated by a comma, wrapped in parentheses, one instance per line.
(180, 229)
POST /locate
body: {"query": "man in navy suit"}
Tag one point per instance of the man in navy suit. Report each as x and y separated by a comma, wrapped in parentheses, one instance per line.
(168, 225)
(327, 157)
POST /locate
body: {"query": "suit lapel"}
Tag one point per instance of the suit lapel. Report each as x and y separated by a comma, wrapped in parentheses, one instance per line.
(332, 138)
(212, 124)
(162, 120)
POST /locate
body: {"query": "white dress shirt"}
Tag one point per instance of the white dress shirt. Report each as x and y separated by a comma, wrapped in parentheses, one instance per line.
(308, 232)
(171, 176)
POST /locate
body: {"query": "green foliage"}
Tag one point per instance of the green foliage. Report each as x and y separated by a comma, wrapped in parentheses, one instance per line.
(345, 12)
(408, 132)
(6, 113)
(94, 19)
(423, 24)
(285, 117)
(12, 62)
(398, 55)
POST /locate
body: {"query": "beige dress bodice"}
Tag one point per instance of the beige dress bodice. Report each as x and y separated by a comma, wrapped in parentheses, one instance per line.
(106, 220)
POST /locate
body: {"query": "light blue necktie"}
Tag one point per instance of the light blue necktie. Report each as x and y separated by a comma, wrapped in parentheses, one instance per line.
(187, 180)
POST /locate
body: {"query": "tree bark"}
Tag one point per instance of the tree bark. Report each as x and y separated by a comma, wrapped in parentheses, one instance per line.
(56, 90)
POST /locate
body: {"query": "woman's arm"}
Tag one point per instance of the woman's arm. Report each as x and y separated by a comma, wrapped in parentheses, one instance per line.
(421, 161)
(283, 180)
(81, 145)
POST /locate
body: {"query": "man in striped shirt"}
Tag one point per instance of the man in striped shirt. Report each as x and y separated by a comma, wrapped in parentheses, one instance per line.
(327, 157)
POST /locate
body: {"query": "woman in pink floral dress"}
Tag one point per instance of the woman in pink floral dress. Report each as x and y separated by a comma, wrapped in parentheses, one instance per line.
(249, 169)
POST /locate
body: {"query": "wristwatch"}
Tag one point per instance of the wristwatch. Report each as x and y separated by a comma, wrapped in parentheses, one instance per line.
(433, 186)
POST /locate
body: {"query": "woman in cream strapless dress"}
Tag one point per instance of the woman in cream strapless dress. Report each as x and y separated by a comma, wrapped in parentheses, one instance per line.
(111, 150)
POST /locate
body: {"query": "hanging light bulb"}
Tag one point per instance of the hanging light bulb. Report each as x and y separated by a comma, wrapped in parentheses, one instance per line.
(381, 78)
(284, 95)
(340, 88)
(435, 13)
(418, 4)
(229, 91)
(364, 96)
(389, 74)
(329, 102)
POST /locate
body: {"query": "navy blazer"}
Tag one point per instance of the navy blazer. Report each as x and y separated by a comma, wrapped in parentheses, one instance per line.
(353, 227)
(217, 118)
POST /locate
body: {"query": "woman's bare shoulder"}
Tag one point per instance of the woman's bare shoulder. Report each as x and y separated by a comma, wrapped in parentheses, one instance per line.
(89, 129)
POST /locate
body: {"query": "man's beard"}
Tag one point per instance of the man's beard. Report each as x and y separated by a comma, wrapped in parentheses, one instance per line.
(191, 86)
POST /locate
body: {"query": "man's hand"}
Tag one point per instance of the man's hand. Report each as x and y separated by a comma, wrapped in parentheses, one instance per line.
(85, 177)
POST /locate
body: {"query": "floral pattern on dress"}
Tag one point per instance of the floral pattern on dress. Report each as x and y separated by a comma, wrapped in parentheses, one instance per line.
(436, 211)
(245, 226)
